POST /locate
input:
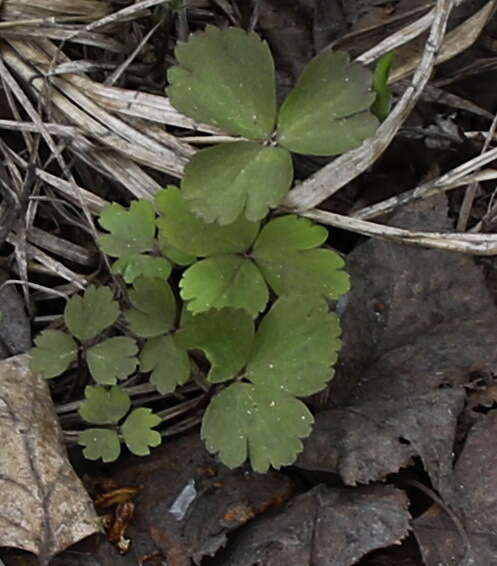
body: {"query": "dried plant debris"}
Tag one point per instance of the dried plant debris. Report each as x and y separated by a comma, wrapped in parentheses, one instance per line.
(324, 527)
(417, 324)
(15, 328)
(45, 508)
(474, 541)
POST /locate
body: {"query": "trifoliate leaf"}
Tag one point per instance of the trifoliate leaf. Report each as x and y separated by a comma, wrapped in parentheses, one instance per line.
(104, 406)
(288, 265)
(327, 112)
(295, 346)
(87, 316)
(154, 309)
(169, 364)
(112, 359)
(383, 102)
(100, 443)
(188, 233)
(224, 281)
(139, 265)
(225, 78)
(225, 337)
(131, 230)
(174, 254)
(54, 353)
(258, 422)
(137, 433)
(224, 181)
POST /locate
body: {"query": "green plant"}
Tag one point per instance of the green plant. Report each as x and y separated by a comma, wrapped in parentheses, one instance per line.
(250, 295)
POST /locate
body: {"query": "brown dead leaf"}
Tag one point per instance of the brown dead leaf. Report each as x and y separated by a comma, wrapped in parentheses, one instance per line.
(44, 507)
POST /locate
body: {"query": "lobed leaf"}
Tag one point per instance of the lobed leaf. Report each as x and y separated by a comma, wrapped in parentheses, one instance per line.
(327, 112)
(104, 406)
(132, 267)
(174, 254)
(222, 182)
(55, 351)
(131, 230)
(169, 364)
(87, 316)
(224, 281)
(257, 422)
(100, 443)
(137, 433)
(225, 336)
(112, 359)
(182, 229)
(225, 78)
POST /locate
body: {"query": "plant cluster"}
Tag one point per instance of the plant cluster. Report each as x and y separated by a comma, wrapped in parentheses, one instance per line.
(251, 292)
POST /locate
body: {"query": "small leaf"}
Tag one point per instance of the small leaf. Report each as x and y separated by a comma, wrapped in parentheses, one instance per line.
(112, 359)
(189, 234)
(289, 266)
(174, 254)
(295, 346)
(155, 308)
(225, 337)
(327, 112)
(132, 267)
(263, 424)
(224, 281)
(55, 351)
(100, 443)
(227, 180)
(131, 231)
(104, 406)
(86, 317)
(383, 102)
(137, 433)
(169, 364)
(225, 78)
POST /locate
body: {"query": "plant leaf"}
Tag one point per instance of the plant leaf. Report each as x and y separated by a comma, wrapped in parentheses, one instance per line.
(131, 230)
(224, 181)
(188, 233)
(132, 267)
(225, 78)
(383, 102)
(224, 281)
(259, 422)
(295, 346)
(174, 254)
(87, 316)
(137, 433)
(289, 266)
(100, 443)
(225, 337)
(104, 406)
(327, 111)
(169, 364)
(154, 309)
(112, 359)
(54, 353)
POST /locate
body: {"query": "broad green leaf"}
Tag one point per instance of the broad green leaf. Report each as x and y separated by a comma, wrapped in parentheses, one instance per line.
(289, 266)
(225, 337)
(87, 316)
(227, 180)
(132, 267)
(224, 281)
(54, 353)
(174, 254)
(225, 78)
(131, 230)
(104, 406)
(112, 359)
(295, 346)
(154, 309)
(327, 112)
(189, 234)
(383, 102)
(100, 443)
(137, 433)
(257, 422)
(169, 364)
